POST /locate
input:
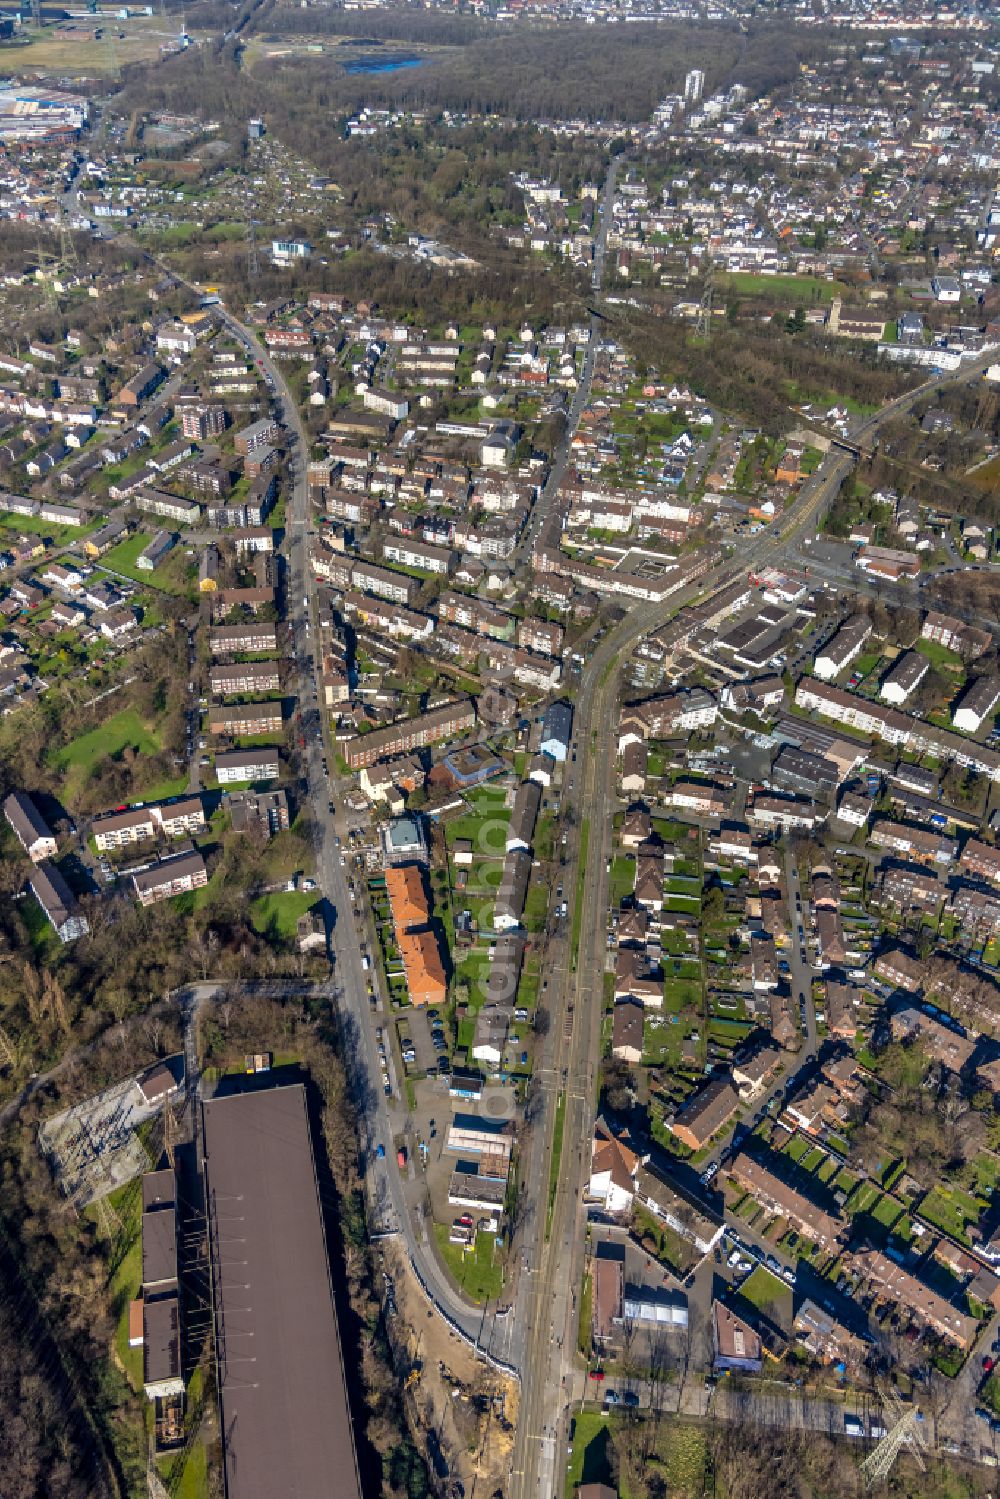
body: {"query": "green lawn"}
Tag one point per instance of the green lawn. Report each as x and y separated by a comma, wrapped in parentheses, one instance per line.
(622, 878)
(34, 525)
(277, 914)
(170, 576)
(804, 291)
(125, 1280)
(765, 1291)
(588, 1461)
(950, 1209)
(939, 655)
(44, 941)
(480, 1272)
(123, 730)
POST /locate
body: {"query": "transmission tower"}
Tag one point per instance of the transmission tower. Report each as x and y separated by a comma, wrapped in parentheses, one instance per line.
(704, 322)
(906, 1431)
(67, 246)
(47, 274)
(253, 262)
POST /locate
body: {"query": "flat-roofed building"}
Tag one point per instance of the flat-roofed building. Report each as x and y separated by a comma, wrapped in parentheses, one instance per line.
(161, 1348)
(237, 766)
(735, 1344)
(264, 809)
(159, 1250)
(286, 1430)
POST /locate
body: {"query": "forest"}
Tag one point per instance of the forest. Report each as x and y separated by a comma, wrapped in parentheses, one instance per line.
(533, 73)
(756, 369)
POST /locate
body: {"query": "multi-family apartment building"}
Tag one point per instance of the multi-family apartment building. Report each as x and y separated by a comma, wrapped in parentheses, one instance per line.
(408, 552)
(245, 718)
(411, 733)
(247, 765)
(29, 827)
(981, 859)
(396, 587)
(915, 843)
(262, 434)
(245, 639)
(250, 676)
(174, 876)
(177, 819)
(894, 727)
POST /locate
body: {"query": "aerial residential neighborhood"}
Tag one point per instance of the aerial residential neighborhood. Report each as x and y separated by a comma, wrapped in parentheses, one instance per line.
(500, 750)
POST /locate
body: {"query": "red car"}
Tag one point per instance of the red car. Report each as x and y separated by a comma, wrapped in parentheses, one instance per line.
(597, 1374)
(989, 1364)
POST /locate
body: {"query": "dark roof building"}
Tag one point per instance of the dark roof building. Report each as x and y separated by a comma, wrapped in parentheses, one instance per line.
(57, 901)
(29, 827)
(707, 1113)
(557, 729)
(286, 1426)
(161, 1352)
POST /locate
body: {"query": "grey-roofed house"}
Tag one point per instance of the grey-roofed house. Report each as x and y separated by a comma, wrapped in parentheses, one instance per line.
(557, 730)
(505, 968)
(58, 902)
(524, 815)
(626, 1031)
(29, 827)
(512, 891)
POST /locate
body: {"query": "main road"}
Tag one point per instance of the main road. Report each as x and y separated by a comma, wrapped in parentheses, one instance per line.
(555, 1276)
(545, 1320)
(391, 1212)
(581, 395)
